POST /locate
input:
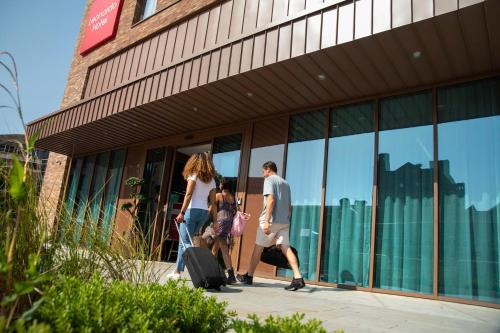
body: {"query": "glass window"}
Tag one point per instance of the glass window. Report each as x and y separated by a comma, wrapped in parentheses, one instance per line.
(304, 173)
(96, 194)
(226, 157)
(345, 250)
(69, 205)
(112, 190)
(83, 194)
(469, 190)
(149, 8)
(153, 173)
(404, 252)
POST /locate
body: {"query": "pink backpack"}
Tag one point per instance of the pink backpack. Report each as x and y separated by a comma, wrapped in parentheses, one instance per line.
(239, 222)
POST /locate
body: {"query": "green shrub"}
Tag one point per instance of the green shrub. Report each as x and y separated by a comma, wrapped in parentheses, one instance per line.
(73, 305)
(272, 324)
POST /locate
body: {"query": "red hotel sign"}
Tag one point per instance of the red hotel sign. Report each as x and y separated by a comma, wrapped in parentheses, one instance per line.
(101, 24)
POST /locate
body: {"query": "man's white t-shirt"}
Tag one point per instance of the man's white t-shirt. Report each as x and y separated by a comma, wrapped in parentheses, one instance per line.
(200, 194)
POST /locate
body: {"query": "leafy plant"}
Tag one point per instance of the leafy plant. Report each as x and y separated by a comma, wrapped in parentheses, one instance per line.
(277, 324)
(97, 306)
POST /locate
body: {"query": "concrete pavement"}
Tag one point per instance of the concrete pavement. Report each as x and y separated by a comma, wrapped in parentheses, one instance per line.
(356, 311)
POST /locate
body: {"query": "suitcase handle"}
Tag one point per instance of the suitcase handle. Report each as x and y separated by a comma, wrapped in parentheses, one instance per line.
(180, 237)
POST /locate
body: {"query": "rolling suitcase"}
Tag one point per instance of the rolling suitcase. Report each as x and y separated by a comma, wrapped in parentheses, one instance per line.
(202, 266)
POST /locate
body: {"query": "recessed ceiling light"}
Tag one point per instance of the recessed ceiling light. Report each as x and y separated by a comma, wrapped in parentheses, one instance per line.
(135, 125)
(249, 94)
(195, 108)
(417, 54)
(321, 77)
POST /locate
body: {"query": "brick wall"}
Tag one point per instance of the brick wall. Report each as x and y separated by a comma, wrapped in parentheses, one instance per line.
(53, 186)
(168, 12)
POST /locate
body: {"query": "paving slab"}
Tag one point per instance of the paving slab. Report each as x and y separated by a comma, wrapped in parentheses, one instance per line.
(355, 311)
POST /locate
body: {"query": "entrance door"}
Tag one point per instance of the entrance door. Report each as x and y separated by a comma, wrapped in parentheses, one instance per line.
(175, 197)
(268, 144)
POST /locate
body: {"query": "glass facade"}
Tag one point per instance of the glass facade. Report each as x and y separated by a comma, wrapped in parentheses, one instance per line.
(328, 157)
(469, 190)
(304, 173)
(91, 179)
(345, 249)
(404, 249)
(226, 157)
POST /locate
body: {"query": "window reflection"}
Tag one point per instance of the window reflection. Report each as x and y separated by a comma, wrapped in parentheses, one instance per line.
(469, 190)
(304, 173)
(404, 234)
(226, 157)
(348, 200)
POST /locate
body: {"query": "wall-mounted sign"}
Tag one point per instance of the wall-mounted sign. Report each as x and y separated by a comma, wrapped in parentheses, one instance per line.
(102, 22)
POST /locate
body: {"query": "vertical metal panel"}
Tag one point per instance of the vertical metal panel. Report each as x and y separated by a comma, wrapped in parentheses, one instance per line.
(346, 23)
(271, 47)
(186, 75)
(195, 73)
(169, 50)
(105, 106)
(381, 15)
(201, 32)
(134, 68)
(465, 3)
(154, 87)
(264, 15)
(112, 63)
(170, 82)
(153, 49)
(234, 65)
(250, 18)
(102, 78)
(160, 53)
(299, 37)
(401, 12)
(313, 33)
(296, 6)
(179, 42)
(363, 18)
(246, 55)
(162, 84)
(90, 80)
(147, 90)
(190, 37)
(329, 28)
(214, 66)
(213, 26)
(224, 21)
(95, 80)
(205, 64)
(116, 104)
(224, 62)
(422, 9)
(128, 97)
(280, 10)
(121, 68)
(140, 92)
(144, 57)
(284, 42)
(237, 18)
(124, 95)
(177, 79)
(310, 4)
(444, 6)
(258, 51)
(114, 71)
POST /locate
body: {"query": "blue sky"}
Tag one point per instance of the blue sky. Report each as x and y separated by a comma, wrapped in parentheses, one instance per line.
(41, 35)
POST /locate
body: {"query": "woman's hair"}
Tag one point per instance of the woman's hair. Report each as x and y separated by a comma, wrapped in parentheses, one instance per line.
(226, 184)
(201, 165)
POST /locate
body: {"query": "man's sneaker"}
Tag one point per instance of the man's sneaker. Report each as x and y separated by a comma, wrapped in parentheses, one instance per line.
(231, 279)
(296, 284)
(245, 278)
(174, 276)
